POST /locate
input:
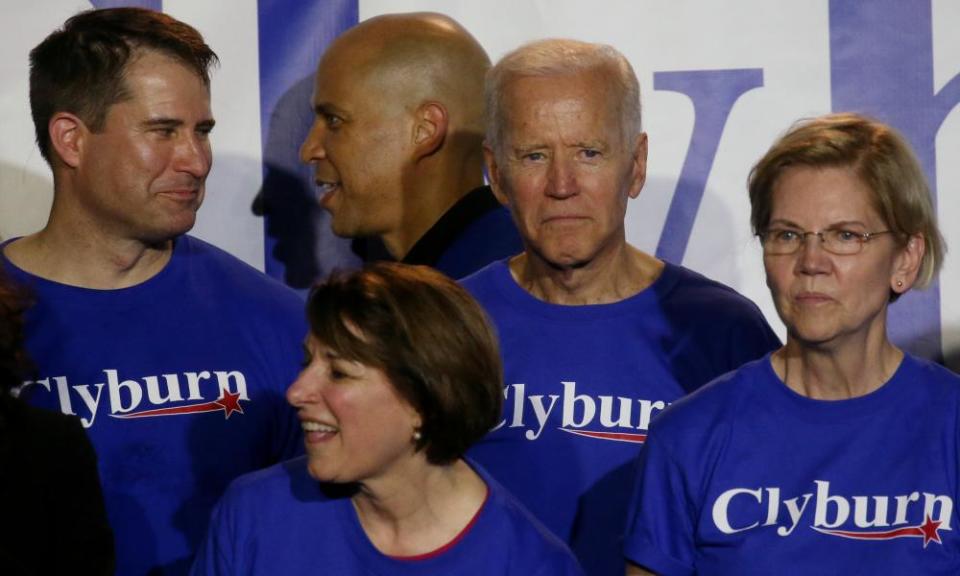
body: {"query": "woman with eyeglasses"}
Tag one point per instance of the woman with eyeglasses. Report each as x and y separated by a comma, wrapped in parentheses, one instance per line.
(838, 453)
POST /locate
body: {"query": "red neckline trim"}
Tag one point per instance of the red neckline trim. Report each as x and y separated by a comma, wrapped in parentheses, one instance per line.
(456, 539)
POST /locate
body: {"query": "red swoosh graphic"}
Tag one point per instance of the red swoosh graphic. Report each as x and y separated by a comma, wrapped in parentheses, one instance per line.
(616, 436)
(229, 403)
(889, 534)
(929, 531)
(192, 409)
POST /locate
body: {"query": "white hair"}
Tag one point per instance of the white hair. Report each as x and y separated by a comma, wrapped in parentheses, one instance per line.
(561, 57)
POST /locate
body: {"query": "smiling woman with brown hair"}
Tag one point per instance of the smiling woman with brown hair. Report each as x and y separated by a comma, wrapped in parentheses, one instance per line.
(402, 375)
(837, 453)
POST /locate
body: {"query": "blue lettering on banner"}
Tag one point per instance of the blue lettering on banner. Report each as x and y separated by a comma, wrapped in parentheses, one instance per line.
(713, 94)
(881, 56)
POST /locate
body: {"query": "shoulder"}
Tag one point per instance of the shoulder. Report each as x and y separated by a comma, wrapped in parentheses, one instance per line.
(697, 292)
(223, 276)
(525, 539)
(700, 416)
(269, 486)
(939, 381)
(201, 257)
(486, 229)
(281, 496)
(713, 328)
(931, 370)
(484, 282)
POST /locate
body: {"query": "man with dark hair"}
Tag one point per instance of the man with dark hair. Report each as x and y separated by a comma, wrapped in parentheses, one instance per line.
(397, 143)
(174, 355)
(597, 336)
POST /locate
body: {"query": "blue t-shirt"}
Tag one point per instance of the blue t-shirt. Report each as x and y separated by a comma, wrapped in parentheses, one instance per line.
(583, 383)
(280, 521)
(179, 382)
(748, 477)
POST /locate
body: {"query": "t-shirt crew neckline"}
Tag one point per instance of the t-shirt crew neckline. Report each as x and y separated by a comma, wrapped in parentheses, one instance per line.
(652, 295)
(92, 298)
(791, 403)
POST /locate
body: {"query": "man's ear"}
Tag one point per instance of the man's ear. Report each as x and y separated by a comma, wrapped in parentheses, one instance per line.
(430, 128)
(639, 176)
(67, 136)
(493, 174)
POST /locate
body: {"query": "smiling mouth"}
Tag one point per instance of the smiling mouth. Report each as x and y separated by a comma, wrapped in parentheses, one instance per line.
(181, 194)
(325, 191)
(317, 431)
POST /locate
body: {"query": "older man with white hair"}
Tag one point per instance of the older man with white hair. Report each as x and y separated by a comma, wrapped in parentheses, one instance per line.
(597, 336)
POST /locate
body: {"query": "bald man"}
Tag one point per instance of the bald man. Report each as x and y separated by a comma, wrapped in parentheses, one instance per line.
(397, 143)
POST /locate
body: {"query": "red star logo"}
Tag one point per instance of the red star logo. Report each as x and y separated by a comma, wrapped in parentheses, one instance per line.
(230, 403)
(930, 530)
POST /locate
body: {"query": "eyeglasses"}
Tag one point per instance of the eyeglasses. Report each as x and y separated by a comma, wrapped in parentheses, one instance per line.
(784, 241)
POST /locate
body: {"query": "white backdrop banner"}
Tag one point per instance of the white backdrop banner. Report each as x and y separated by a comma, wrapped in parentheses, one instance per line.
(720, 81)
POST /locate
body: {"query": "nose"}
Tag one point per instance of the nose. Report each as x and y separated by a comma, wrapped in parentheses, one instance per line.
(812, 258)
(561, 179)
(312, 148)
(304, 390)
(194, 156)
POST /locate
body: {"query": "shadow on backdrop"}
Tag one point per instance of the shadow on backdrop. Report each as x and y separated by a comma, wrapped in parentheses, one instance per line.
(300, 246)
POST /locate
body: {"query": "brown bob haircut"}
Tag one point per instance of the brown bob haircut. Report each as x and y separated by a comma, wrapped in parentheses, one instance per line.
(80, 67)
(430, 338)
(880, 157)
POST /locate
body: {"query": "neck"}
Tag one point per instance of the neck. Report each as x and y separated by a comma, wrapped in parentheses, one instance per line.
(421, 509)
(837, 372)
(623, 273)
(437, 182)
(87, 257)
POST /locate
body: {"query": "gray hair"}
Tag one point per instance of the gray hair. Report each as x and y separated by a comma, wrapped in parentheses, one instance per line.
(561, 57)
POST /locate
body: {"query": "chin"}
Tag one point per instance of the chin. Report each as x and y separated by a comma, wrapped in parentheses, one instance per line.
(320, 473)
(564, 257)
(813, 336)
(161, 237)
(175, 226)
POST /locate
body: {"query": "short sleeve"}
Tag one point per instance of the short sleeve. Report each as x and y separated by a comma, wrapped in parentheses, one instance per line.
(660, 524)
(561, 563)
(216, 554)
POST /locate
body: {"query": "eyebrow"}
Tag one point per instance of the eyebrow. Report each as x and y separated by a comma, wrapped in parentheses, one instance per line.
(527, 148)
(834, 225)
(164, 122)
(327, 108)
(597, 144)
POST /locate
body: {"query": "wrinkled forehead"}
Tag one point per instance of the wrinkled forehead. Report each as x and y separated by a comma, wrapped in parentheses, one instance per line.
(532, 104)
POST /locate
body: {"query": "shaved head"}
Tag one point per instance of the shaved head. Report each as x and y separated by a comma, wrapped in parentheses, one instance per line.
(397, 137)
(415, 58)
